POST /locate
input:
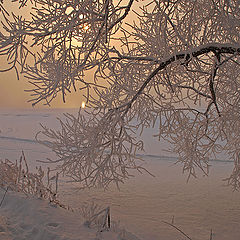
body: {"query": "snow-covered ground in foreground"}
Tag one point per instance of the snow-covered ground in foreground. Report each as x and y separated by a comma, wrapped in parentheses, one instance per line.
(34, 219)
(142, 204)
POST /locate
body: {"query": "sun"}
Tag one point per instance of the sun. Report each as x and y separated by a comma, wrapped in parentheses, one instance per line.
(83, 105)
(86, 27)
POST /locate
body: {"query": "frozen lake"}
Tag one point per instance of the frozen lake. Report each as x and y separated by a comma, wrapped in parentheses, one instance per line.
(144, 202)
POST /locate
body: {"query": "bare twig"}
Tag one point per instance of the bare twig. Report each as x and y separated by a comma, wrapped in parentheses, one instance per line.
(4, 196)
(178, 229)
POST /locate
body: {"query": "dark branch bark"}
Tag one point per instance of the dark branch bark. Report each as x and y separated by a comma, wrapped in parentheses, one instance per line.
(187, 56)
(127, 10)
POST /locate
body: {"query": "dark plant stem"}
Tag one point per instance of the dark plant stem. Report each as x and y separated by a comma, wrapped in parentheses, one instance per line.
(4, 196)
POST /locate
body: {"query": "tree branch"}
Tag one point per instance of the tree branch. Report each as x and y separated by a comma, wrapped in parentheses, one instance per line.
(187, 56)
(127, 10)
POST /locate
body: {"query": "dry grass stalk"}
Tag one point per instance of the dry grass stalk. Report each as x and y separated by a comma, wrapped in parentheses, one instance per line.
(17, 177)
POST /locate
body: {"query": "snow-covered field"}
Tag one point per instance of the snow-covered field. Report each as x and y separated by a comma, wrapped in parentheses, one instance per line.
(141, 206)
(34, 219)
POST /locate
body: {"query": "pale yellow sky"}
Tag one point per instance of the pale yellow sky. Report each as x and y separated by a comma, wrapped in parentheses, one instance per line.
(12, 94)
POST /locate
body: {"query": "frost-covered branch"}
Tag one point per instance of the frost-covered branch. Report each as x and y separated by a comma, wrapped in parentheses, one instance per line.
(173, 65)
(225, 48)
(94, 151)
(16, 176)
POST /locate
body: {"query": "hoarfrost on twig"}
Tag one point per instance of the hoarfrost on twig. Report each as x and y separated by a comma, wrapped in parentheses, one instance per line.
(171, 63)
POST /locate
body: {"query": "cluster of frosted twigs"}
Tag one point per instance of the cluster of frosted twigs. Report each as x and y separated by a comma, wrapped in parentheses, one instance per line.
(17, 177)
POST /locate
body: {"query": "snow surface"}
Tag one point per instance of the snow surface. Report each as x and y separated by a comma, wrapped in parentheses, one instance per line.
(141, 206)
(34, 219)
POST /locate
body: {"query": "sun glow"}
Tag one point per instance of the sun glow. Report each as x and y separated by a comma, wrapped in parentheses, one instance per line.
(86, 27)
(83, 105)
(69, 10)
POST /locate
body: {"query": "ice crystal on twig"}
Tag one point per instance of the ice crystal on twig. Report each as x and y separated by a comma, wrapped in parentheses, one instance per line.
(171, 64)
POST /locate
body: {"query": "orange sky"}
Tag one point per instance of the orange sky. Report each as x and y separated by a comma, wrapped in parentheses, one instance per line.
(12, 94)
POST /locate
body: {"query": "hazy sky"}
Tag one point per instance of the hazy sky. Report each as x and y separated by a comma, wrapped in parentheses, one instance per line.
(12, 94)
